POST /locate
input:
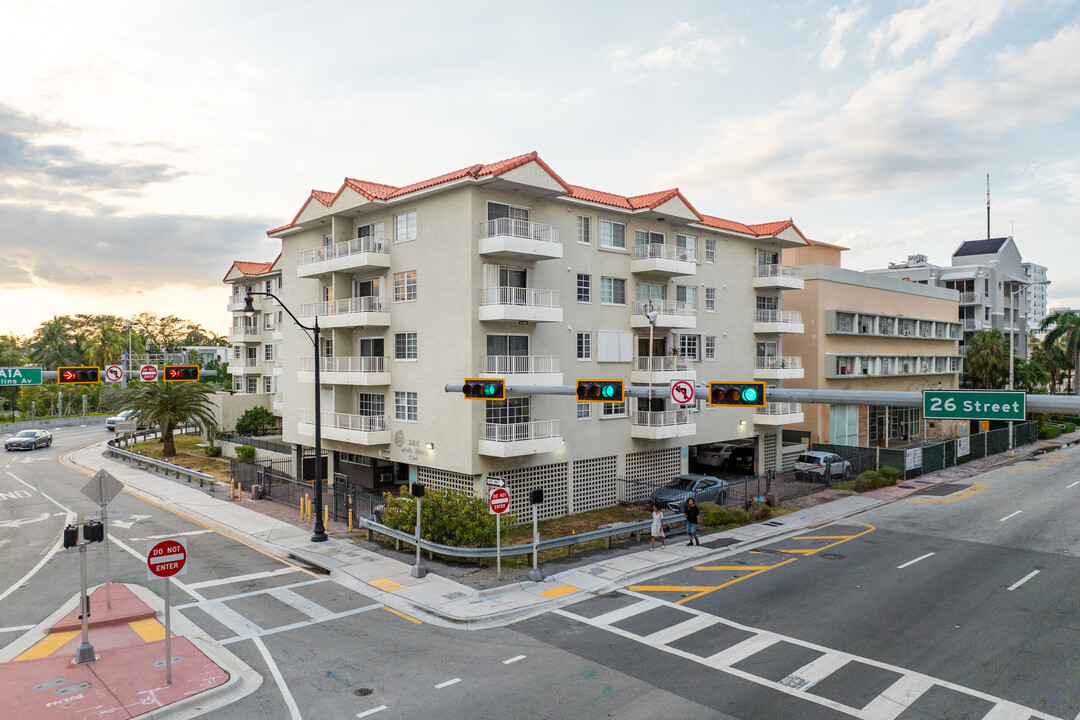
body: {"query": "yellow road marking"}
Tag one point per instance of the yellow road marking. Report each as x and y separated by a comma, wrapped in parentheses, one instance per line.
(1040, 465)
(150, 630)
(401, 614)
(700, 590)
(733, 567)
(48, 645)
(845, 538)
(958, 495)
(385, 584)
(560, 591)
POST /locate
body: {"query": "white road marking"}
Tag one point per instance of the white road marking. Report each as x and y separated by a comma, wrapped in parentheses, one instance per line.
(63, 507)
(912, 562)
(304, 623)
(448, 683)
(19, 522)
(1073, 485)
(142, 558)
(513, 659)
(1010, 515)
(232, 619)
(821, 668)
(679, 630)
(23, 628)
(294, 712)
(743, 650)
(1023, 580)
(312, 609)
(372, 711)
(237, 596)
(241, 578)
(896, 698)
(172, 535)
(70, 517)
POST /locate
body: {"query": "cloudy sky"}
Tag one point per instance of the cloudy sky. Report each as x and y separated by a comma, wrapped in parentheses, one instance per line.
(144, 146)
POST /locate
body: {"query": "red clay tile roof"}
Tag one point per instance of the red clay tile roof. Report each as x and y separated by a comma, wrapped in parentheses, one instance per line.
(246, 267)
(370, 190)
(722, 224)
(598, 196)
(323, 196)
(775, 228)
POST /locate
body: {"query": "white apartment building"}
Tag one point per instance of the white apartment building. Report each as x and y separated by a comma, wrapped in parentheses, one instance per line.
(506, 270)
(1036, 295)
(255, 343)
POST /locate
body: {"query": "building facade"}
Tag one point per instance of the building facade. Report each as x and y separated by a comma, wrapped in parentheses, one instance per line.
(506, 270)
(1035, 295)
(255, 361)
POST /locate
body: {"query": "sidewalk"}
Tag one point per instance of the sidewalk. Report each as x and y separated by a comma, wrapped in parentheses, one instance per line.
(444, 601)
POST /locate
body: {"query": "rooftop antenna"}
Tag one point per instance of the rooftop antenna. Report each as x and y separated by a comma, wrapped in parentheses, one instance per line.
(987, 206)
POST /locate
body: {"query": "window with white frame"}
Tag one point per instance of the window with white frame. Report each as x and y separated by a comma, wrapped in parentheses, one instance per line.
(584, 411)
(405, 226)
(405, 286)
(498, 211)
(612, 410)
(370, 404)
(268, 384)
(710, 250)
(612, 234)
(512, 411)
(584, 346)
(584, 288)
(252, 385)
(686, 294)
(405, 406)
(614, 346)
(375, 229)
(405, 346)
(710, 347)
(688, 346)
(710, 299)
(238, 385)
(236, 351)
(268, 321)
(328, 346)
(687, 246)
(612, 291)
(584, 230)
(268, 352)
(268, 286)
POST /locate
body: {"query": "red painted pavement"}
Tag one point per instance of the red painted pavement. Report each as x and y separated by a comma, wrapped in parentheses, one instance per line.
(126, 607)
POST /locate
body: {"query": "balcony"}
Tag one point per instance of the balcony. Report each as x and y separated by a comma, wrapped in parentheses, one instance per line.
(664, 259)
(350, 256)
(239, 335)
(778, 413)
(516, 439)
(346, 370)
(662, 370)
(279, 402)
(778, 277)
(357, 429)
(520, 304)
(778, 368)
(662, 425)
(522, 369)
(510, 239)
(970, 298)
(671, 314)
(236, 304)
(778, 321)
(367, 311)
(975, 324)
(240, 366)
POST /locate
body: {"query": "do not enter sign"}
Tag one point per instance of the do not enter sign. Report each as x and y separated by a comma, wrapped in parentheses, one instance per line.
(498, 501)
(148, 373)
(166, 558)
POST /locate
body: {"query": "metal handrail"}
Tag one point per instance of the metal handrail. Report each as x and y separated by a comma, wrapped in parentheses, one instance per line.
(167, 467)
(512, 227)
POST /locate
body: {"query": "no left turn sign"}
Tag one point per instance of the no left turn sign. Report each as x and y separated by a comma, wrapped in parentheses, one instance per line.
(114, 373)
(682, 392)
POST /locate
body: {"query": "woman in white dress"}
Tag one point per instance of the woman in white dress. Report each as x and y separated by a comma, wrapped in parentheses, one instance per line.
(657, 528)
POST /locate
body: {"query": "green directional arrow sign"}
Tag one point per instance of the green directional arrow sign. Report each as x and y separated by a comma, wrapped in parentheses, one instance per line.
(974, 405)
(19, 376)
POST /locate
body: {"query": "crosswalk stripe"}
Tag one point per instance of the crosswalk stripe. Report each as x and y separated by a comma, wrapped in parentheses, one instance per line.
(897, 697)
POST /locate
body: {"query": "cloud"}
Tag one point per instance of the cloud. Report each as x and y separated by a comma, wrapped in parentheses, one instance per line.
(953, 22)
(833, 53)
(624, 60)
(682, 28)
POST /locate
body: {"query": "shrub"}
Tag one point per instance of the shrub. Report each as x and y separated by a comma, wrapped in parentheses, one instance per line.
(739, 516)
(215, 450)
(867, 481)
(255, 421)
(1049, 432)
(890, 473)
(759, 511)
(1070, 427)
(714, 515)
(245, 453)
(447, 517)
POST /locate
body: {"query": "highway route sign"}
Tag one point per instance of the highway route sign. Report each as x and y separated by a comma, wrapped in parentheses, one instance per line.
(974, 405)
(148, 373)
(19, 376)
(166, 558)
(498, 501)
(682, 392)
(114, 373)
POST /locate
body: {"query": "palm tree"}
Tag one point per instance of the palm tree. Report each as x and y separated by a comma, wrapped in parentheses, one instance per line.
(53, 344)
(1051, 358)
(170, 404)
(1065, 331)
(986, 358)
(103, 343)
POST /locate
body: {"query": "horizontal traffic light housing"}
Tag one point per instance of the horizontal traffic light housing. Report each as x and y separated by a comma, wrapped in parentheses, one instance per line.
(600, 390)
(484, 389)
(181, 373)
(737, 394)
(77, 375)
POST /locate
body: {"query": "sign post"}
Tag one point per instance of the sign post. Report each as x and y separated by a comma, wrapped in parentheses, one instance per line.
(102, 488)
(418, 570)
(163, 560)
(498, 503)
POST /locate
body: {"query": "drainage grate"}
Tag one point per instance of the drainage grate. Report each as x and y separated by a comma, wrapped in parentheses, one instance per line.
(161, 663)
(943, 489)
(72, 688)
(774, 523)
(49, 684)
(362, 692)
(454, 595)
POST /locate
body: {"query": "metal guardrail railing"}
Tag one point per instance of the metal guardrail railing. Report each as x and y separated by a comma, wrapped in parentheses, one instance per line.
(138, 459)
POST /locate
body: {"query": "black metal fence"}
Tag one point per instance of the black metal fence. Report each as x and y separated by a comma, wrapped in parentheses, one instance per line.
(735, 492)
(349, 496)
(257, 442)
(276, 484)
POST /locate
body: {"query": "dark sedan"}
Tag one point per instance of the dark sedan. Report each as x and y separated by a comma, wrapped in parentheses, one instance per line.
(29, 440)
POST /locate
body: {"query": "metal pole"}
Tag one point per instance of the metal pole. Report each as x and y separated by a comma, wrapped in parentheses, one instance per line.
(536, 541)
(105, 542)
(418, 570)
(498, 547)
(319, 534)
(1012, 330)
(85, 651)
(168, 634)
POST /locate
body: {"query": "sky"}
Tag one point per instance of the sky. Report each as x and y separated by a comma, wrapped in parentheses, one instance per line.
(145, 146)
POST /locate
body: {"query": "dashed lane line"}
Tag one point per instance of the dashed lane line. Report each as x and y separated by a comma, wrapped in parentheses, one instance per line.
(372, 711)
(1023, 580)
(448, 683)
(912, 562)
(1010, 515)
(513, 659)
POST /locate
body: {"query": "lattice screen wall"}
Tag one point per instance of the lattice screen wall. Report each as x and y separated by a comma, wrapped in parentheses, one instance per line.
(554, 481)
(651, 465)
(446, 480)
(768, 460)
(593, 484)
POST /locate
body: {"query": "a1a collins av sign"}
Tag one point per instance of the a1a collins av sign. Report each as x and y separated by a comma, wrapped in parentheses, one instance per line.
(974, 405)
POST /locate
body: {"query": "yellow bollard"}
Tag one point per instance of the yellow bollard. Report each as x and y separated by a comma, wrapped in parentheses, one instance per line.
(301, 509)
(350, 519)
(326, 514)
(239, 492)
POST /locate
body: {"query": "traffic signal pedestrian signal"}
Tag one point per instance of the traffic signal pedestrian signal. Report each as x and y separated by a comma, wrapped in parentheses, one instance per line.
(77, 375)
(484, 389)
(600, 390)
(737, 394)
(93, 531)
(181, 373)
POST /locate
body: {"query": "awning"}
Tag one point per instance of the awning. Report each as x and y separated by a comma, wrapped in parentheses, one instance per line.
(1011, 279)
(958, 274)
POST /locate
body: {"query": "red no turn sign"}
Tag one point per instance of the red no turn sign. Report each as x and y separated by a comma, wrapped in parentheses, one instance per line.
(166, 558)
(682, 392)
(498, 501)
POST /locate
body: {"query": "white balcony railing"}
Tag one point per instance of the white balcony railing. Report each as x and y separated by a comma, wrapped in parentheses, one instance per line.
(779, 408)
(527, 297)
(665, 418)
(664, 307)
(778, 363)
(663, 251)
(970, 298)
(775, 270)
(780, 316)
(363, 423)
(356, 364)
(972, 324)
(663, 363)
(368, 303)
(510, 227)
(519, 364)
(514, 432)
(344, 249)
(244, 362)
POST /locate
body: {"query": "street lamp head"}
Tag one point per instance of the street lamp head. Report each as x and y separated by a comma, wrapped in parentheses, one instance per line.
(249, 309)
(652, 316)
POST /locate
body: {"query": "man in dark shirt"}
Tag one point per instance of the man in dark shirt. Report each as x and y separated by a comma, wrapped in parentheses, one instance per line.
(692, 512)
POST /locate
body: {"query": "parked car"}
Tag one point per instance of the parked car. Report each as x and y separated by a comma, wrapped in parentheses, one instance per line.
(28, 440)
(741, 459)
(812, 465)
(715, 454)
(673, 494)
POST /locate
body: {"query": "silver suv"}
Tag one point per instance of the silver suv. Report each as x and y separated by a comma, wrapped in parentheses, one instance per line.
(813, 464)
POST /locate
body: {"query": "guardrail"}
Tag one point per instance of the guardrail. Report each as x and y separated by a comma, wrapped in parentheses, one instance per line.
(138, 459)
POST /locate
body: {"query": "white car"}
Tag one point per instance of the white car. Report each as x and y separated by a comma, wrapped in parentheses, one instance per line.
(812, 465)
(715, 454)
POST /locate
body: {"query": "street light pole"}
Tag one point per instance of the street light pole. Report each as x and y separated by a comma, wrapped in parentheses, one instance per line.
(319, 531)
(1012, 331)
(127, 368)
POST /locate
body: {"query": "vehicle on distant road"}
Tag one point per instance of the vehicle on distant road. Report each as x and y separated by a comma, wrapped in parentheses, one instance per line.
(28, 440)
(813, 465)
(673, 494)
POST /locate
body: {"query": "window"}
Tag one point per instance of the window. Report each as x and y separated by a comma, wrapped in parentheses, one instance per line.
(375, 229)
(507, 346)
(614, 410)
(354, 459)
(584, 346)
(688, 346)
(268, 353)
(686, 294)
(236, 351)
(710, 347)
(405, 346)
(405, 226)
(584, 285)
(584, 234)
(687, 247)
(252, 385)
(405, 286)
(328, 346)
(512, 411)
(612, 235)
(369, 347)
(268, 286)
(327, 240)
(844, 424)
(612, 291)
(710, 299)
(844, 322)
(370, 404)
(498, 211)
(405, 406)
(646, 237)
(268, 383)
(614, 346)
(238, 385)
(268, 321)
(710, 250)
(584, 411)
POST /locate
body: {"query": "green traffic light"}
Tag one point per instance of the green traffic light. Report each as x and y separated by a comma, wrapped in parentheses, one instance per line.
(749, 394)
(608, 391)
(489, 389)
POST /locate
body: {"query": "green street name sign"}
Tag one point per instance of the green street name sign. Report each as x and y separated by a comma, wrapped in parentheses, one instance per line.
(20, 376)
(974, 405)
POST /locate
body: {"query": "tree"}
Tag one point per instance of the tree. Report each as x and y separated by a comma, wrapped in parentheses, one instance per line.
(986, 359)
(53, 344)
(255, 421)
(103, 343)
(170, 404)
(1064, 330)
(1031, 376)
(1051, 358)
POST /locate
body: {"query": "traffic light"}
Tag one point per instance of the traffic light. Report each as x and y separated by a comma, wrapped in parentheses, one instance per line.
(484, 389)
(71, 536)
(737, 394)
(77, 375)
(181, 373)
(93, 531)
(600, 391)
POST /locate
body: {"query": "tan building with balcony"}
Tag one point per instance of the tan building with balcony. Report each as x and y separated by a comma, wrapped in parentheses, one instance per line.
(870, 332)
(255, 361)
(506, 270)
